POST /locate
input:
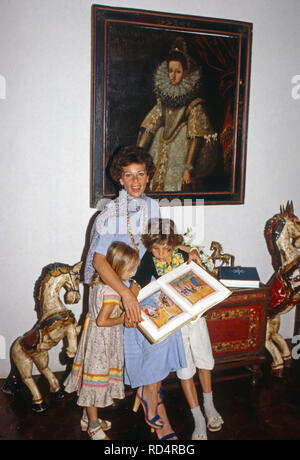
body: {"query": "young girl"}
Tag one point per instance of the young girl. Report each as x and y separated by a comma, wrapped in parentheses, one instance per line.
(97, 373)
(161, 257)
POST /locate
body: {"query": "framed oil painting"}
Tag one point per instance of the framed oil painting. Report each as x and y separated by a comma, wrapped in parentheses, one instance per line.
(177, 298)
(178, 86)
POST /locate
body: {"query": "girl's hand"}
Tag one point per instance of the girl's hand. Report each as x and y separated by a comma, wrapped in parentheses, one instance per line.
(132, 308)
(122, 317)
(128, 322)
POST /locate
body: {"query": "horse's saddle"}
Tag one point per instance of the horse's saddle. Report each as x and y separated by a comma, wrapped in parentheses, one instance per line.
(31, 339)
(283, 291)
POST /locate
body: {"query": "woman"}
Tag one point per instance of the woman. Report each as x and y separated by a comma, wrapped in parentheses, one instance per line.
(125, 219)
(177, 130)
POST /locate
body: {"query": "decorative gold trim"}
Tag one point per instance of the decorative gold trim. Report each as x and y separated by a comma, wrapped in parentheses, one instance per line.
(237, 345)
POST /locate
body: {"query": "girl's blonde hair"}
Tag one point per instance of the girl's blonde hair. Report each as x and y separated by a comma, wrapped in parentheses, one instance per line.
(120, 256)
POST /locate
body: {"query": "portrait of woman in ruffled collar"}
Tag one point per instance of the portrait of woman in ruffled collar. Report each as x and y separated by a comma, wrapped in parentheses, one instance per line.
(177, 130)
(177, 86)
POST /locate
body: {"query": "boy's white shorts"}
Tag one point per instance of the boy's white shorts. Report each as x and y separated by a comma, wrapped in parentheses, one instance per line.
(197, 347)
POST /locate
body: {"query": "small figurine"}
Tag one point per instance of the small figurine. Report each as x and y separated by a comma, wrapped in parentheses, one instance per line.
(54, 323)
(219, 255)
(282, 234)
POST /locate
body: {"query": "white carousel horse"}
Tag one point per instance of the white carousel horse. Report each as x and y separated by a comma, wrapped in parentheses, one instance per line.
(54, 323)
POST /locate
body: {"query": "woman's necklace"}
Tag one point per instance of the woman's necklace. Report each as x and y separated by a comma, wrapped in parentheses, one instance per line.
(142, 230)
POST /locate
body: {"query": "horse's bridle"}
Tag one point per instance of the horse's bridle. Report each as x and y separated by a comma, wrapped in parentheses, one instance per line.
(72, 283)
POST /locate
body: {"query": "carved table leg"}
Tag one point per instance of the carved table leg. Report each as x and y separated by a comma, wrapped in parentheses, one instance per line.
(256, 372)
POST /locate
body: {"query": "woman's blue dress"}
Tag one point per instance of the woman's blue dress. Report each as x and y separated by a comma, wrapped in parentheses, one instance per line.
(144, 363)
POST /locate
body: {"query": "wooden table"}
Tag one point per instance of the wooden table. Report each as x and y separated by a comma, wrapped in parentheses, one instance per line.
(237, 329)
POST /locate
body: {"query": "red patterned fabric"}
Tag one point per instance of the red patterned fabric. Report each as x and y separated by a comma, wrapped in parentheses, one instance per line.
(235, 330)
(278, 291)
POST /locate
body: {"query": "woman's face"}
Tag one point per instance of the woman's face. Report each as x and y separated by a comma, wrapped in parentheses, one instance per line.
(134, 178)
(176, 72)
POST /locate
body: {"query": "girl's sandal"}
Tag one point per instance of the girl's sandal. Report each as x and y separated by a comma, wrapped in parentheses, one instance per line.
(98, 434)
(104, 424)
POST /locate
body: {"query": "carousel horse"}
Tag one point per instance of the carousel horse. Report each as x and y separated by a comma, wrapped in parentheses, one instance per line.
(219, 255)
(54, 323)
(282, 234)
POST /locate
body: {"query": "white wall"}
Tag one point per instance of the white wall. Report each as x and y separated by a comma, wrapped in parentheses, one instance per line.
(45, 133)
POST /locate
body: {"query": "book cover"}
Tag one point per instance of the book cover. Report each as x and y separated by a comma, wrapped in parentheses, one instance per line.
(177, 298)
(239, 276)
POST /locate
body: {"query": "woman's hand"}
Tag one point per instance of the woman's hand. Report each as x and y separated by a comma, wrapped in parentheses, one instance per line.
(132, 309)
(109, 276)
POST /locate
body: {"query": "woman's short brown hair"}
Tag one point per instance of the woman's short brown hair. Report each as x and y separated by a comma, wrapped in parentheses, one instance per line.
(161, 231)
(127, 155)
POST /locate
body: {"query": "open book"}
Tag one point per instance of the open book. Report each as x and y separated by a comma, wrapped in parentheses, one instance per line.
(177, 298)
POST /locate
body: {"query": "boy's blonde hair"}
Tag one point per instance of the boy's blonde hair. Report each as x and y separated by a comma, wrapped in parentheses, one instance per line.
(120, 256)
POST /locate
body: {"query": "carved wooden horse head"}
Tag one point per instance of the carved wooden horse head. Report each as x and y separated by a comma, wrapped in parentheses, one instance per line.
(282, 234)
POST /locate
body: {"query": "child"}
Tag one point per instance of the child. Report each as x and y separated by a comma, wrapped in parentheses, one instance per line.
(97, 373)
(162, 257)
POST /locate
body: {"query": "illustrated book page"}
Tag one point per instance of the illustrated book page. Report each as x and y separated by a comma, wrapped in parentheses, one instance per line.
(177, 298)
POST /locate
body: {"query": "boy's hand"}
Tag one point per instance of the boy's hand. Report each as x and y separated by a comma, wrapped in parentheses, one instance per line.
(194, 257)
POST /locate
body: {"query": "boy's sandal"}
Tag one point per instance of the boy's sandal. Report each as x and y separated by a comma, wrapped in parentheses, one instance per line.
(199, 437)
(98, 434)
(104, 424)
(215, 423)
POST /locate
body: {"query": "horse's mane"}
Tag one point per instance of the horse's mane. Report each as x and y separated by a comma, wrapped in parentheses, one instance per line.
(216, 243)
(268, 234)
(270, 227)
(53, 269)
